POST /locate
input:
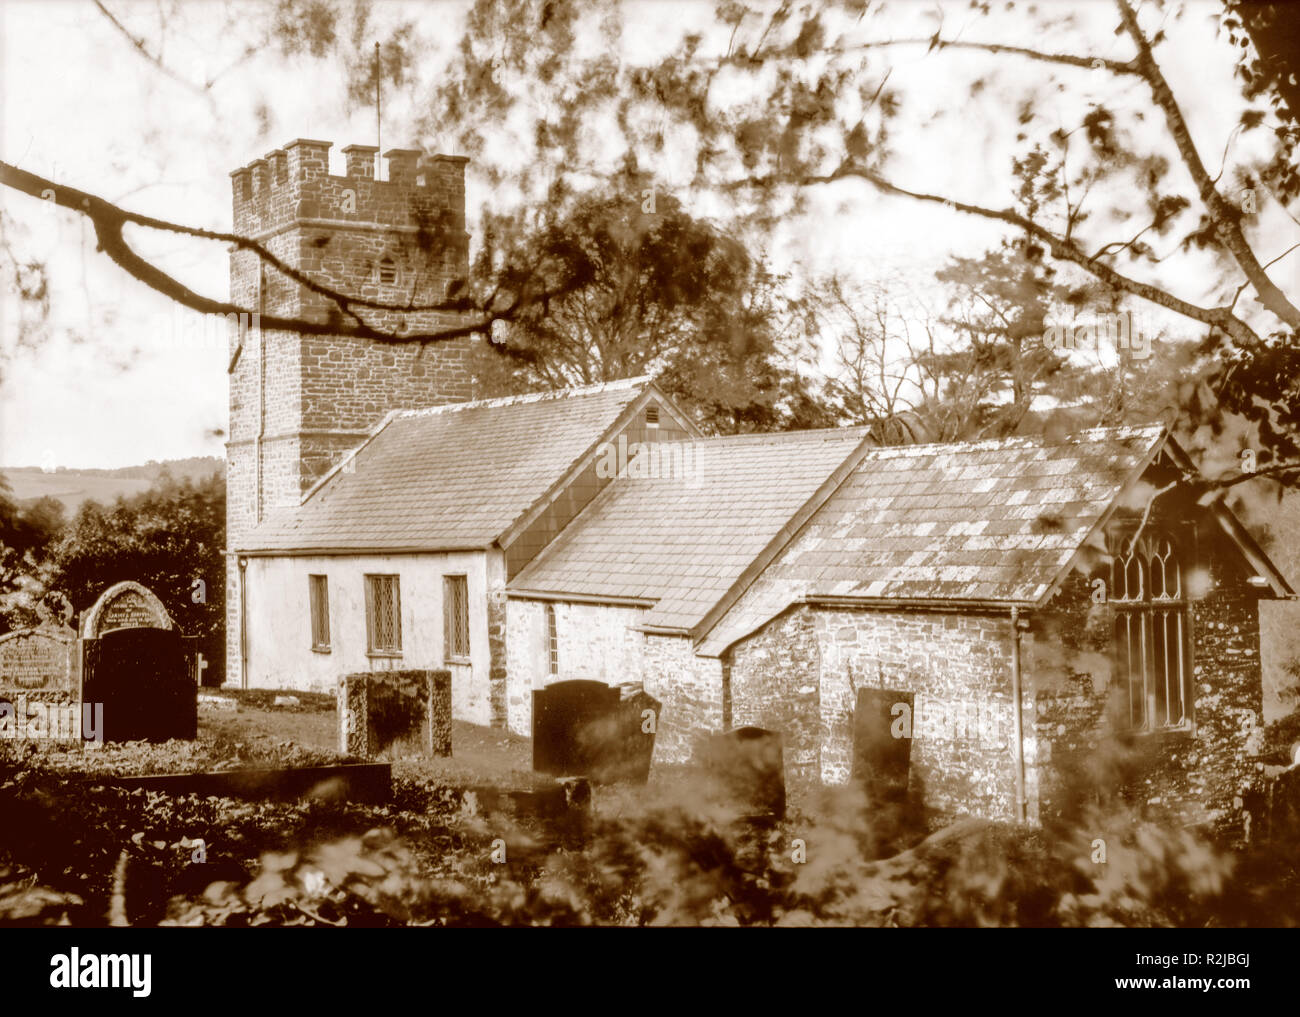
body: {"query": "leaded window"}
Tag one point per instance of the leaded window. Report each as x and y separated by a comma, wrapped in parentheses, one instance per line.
(383, 615)
(455, 613)
(318, 591)
(1151, 636)
(552, 642)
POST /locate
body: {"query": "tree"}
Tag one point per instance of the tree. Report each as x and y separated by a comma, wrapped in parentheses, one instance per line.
(760, 105)
(650, 289)
(771, 103)
(28, 534)
(170, 538)
(1001, 308)
(876, 379)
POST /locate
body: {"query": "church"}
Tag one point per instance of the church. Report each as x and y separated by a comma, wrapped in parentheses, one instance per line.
(380, 516)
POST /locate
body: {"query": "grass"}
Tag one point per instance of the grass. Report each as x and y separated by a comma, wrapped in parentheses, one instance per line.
(661, 854)
(481, 755)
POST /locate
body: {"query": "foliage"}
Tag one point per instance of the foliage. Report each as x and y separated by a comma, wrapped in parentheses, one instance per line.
(651, 289)
(760, 107)
(1261, 385)
(749, 110)
(170, 538)
(672, 857)
(1266, 66)
(27, 534)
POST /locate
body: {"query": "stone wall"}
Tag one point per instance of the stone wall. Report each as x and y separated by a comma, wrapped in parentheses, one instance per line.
(495, 587)
(800, 673)
(775, 683)
(346, 232)
(1197, 776)
(601, 642)
(596, 641)
(299, 404)
(1066, 658)
(690, 689)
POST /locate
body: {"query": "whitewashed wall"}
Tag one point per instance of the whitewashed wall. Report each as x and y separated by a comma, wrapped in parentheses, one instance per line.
(278, 615)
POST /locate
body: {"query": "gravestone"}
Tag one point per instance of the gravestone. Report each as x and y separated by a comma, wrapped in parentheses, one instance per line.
(145, 680)
(745, 770)
(563, 712)
(137, 664)
(391, 714)
(39, 660)
(589, 729)
(125, 605)
(638, 722)
(880, 760)
(39, 684)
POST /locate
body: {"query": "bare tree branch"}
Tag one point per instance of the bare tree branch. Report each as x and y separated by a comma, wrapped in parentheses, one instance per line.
(935, 42)
(108, 221)
(1225, 215)
(1217, 317)
(143, 50)
(1146, 514)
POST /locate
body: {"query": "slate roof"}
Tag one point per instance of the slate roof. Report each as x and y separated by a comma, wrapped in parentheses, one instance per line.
(452, 477)
(990, 521)
(681, 540)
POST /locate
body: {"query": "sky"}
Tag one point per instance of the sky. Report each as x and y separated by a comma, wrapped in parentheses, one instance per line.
(121, 375)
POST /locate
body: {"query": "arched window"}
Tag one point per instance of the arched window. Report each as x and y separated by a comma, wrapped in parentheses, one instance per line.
(1151, 637)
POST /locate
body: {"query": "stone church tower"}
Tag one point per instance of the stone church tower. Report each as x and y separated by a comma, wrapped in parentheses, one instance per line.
(299, 403)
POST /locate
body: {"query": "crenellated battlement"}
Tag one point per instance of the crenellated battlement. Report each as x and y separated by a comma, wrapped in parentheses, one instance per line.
(299, 403)
(293, 185)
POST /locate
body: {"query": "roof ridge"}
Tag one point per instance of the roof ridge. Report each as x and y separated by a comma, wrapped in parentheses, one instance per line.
(528, 397)
(1015, 440)
(862, 430)
(857, 431)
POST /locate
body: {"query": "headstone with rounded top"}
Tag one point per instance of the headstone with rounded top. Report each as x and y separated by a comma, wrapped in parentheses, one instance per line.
(583, 727)
(125, 605)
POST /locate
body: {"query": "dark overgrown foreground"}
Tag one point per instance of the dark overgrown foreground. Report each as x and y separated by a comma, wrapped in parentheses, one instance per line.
(73, 851)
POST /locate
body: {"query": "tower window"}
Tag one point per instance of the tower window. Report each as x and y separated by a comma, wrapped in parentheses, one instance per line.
(388, 271)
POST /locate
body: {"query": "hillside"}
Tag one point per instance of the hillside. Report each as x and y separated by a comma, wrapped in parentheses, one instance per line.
(73, 486)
